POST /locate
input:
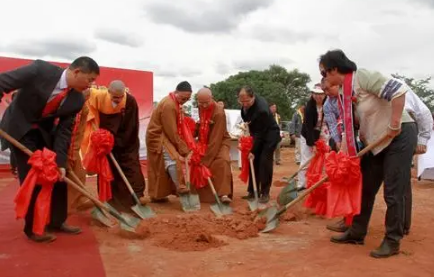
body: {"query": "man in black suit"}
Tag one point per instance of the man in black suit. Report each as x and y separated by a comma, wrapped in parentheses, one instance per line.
(42, 115)
(266, 136)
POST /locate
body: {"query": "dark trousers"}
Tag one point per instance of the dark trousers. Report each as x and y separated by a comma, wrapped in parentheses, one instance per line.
(408, 207)
(13, 160)
(33, 140)
(332, 145)
(263, 163)
(393, 166)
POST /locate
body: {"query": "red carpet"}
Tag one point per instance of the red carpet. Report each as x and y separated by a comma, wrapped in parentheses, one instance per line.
(67, 256)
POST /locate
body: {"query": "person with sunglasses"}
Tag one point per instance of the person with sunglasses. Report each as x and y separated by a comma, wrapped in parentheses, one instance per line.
(379, 110)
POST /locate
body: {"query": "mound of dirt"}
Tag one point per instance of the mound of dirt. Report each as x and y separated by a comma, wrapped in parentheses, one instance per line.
(198, 232)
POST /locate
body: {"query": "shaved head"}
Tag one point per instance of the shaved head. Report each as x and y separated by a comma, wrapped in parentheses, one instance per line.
(117, 91)
(117, 87)
(204, 92)
(204, 97)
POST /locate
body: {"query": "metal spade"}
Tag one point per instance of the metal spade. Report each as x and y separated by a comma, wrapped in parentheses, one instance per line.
(190, 202)
(143, 211)
(218, 208)
(96, 212)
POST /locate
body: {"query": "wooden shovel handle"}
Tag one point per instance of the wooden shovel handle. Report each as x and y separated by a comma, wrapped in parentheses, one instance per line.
(255, 186)
(325, 178)
(20, 146)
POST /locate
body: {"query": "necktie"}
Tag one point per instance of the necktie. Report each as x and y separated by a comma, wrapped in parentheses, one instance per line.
(52, 106)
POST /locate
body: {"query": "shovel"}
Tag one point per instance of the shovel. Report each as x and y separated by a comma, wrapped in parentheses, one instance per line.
(125, 223)
(272, 214)
(143, 211)
(288, 193)
(290, 178)
(189, 202)
(96, 213)
(219, 208)
(253, 204)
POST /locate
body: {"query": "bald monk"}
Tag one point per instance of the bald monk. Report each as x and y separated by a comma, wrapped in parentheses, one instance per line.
(76, 200)
(216, 157)
(166, 149)
(117, 111)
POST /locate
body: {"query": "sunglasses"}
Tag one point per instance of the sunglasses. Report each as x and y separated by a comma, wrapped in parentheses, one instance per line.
(323, 73)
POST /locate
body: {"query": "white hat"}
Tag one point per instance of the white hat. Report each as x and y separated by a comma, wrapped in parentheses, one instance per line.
(317, 89)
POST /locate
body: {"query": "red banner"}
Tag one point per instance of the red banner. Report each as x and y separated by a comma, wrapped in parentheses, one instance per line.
(139, 83)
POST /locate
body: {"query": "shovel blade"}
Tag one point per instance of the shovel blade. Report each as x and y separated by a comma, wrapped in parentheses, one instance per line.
(253, 204)
(126, 227)
(189, 202)
(221, 210)
(216, 210)
(143, 212)
(101, 217)
(271, 225)
(194, 201)
(129, 220)
(272, 218)
(288, 193)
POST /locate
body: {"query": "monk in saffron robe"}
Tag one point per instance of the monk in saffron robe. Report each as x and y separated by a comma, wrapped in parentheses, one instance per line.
(75, 199)
(212, 131)
(118, 112)
(166, 149)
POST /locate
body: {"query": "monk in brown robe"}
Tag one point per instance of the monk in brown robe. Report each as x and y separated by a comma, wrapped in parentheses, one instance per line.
(166, 150)
(118, 112)
(217, 157)
(76, 200)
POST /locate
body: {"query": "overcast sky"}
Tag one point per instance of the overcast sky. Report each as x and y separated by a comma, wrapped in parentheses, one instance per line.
(205, 41)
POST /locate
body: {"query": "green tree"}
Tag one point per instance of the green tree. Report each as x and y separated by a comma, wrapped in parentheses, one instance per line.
(287, 89)
(421, 88)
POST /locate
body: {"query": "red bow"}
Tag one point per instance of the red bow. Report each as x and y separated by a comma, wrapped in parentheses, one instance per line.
(199, 172)
(44, 172)
(317, 199)
(95, 160)
(345, 190)
(245, 145)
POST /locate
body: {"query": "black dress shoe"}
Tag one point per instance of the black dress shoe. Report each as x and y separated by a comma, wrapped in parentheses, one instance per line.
(339, 226)
(385, 250)
(66, 229)
(45, 238)
(347, 238)
(159, 200)
(406, 232)
(248, 196)
(264, 199)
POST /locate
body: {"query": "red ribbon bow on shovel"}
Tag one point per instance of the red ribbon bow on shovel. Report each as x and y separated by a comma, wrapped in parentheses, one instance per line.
(95, 160)
(43, 172)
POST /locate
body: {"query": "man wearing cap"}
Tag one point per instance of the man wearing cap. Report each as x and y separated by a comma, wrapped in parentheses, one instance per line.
(166, 148)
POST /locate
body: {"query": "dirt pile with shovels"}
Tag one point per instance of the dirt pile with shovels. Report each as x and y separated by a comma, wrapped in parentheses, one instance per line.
(198, 232)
